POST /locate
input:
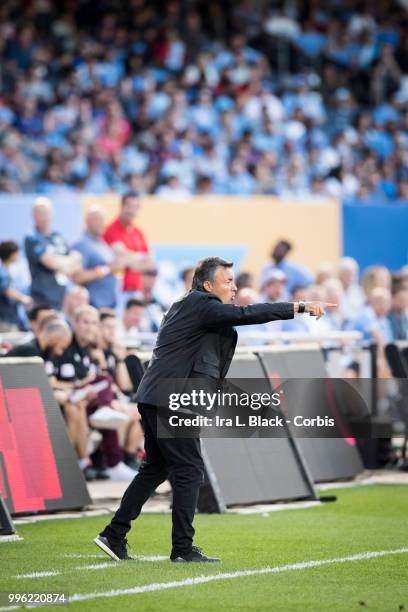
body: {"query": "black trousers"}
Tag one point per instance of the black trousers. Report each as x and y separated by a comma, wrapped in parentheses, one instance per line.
(176, 459)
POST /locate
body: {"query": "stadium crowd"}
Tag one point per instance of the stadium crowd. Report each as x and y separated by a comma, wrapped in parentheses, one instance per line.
(291, 98)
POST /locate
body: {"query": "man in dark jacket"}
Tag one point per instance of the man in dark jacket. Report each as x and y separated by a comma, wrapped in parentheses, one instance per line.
(196, 337)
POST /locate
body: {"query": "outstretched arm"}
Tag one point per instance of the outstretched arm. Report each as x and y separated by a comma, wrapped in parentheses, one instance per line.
(215, 314)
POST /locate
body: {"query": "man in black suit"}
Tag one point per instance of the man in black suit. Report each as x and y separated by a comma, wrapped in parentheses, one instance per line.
(196, 338)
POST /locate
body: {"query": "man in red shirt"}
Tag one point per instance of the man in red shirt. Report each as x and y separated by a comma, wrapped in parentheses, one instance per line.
(129, 244)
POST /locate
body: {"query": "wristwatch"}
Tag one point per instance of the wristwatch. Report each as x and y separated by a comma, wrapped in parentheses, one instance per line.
(301, 307)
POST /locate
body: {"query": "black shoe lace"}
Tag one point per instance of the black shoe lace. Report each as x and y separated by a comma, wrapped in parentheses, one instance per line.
(197, 549)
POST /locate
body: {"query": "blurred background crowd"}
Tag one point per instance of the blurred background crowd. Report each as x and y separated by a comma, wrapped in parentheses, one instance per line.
(178, 97)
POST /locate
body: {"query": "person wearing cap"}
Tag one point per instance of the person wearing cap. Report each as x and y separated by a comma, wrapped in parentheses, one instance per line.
(273, 286)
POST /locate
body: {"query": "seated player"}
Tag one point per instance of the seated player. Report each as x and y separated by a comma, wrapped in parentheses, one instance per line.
(112, 359)
(77, 369)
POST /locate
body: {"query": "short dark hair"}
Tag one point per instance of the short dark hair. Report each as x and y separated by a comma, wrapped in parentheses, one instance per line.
(36, 309)
(7, 249)
(127, 196)
(398, 286)
(245, 279)
(106, 313)
(134, 302)
(205, 270)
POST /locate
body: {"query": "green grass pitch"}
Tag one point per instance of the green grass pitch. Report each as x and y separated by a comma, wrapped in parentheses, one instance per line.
(364, 519)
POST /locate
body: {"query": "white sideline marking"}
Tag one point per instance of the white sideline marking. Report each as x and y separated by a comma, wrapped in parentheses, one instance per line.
(37, 575)
(151, 558)
(160, 586)
(79, 556)
(102, 556)
(108, 565)
(112, 563)
(10, 538)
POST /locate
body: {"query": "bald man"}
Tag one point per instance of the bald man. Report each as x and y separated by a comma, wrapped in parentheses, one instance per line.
(98, 261)
(50, 260)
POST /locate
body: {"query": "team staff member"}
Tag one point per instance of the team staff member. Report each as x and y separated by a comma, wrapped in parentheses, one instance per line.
(112, 356)
(98, 262)
(129, 245)
(196, 337)
(53, 337)
(77, 367)
(10, 298)
(51, 263)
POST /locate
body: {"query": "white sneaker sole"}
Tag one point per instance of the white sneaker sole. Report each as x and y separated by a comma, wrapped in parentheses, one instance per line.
(105, 549)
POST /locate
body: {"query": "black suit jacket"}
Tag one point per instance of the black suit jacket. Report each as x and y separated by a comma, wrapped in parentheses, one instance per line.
(197, 337)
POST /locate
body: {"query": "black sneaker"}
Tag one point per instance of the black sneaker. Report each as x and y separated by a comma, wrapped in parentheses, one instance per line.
(194, 556)
(116, 549)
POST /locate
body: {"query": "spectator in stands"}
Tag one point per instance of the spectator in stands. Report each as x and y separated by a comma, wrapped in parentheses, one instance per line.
(353, 298)
(187, 278)
(10, 298)
(296, 275)
(325, 271)
(376, 276)
(246, 296)
(130, 325)
(204, 185)
(386, 75)
(187, 81)
(398, 315)
(334, 295)
(51, 263)
(251, 335)
(173, 191)
(128, 243)
(99, 263)
(317, 292)
(373, 321)
(74, 298)
(297, 324)
(273, 286)
(77, 368)
(245, 279)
